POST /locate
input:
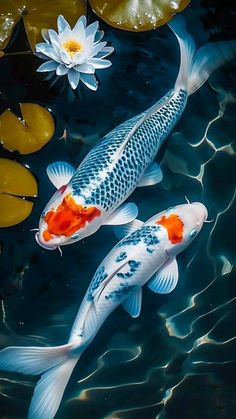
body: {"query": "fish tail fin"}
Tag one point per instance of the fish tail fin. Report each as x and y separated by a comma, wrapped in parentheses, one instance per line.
(197, 65)
(50, 389)
(55, 364)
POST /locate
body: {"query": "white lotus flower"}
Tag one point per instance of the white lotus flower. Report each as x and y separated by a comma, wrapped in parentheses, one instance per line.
(76, 52)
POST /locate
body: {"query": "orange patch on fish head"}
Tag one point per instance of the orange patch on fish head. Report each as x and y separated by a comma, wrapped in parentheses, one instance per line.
(68, 218)
(174, 227)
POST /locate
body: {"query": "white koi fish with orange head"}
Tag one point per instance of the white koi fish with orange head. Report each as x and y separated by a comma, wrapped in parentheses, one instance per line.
(147, 255)
(91, 195)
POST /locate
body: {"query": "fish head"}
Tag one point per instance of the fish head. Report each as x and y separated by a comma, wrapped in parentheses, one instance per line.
(182, 224)
(67, 219)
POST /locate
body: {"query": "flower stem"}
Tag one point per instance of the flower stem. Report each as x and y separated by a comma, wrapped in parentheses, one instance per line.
(4, 54)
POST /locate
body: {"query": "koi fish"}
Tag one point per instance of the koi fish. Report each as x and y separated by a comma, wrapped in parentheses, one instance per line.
(146, 255)
(90, 196)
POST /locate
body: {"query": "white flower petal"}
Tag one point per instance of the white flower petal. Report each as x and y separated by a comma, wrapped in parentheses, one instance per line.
(73, 77)
(96, 48)
(79, 65)
(78, 31)
(89, 80)
(82, 19)
(48, 50)
(105, 52)
(45, 36)
(89, 41)
(41, 45)
(79, 58)
(98, 63)
(53, 36)
(65, 35)
(62, 24)
(92, 29)
(85, 68)
(48, 66)
(99, 35)
(61, 70)
(65, 57)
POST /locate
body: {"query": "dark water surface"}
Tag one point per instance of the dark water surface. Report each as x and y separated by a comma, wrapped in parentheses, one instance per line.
(177, 360)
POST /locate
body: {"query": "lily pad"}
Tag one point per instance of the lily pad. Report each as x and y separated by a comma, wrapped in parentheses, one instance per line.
(137, 16)
(29, 134)
(16, 183)
(36, 16)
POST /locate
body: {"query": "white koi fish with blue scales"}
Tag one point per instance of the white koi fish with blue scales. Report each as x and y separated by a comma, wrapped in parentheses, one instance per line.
(145, 255)
(87, 197)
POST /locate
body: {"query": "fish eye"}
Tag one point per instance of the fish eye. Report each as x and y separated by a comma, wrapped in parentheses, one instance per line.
(193, 233)
(75, 236)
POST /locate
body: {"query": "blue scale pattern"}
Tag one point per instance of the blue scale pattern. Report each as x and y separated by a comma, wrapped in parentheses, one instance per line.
(98, 278)
(119, 293)
(133, 265)
(134, 159)
(121, 256)
(147, 234)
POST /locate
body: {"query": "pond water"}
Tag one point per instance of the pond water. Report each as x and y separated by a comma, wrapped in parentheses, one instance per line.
(177, 360)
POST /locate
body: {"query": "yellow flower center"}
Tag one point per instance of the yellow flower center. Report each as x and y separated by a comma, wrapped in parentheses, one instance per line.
(72, 46)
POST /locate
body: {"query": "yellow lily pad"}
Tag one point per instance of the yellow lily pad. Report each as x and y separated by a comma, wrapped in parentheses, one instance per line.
(16, 183)
(29, 134)
(137, 16)
(36, 15)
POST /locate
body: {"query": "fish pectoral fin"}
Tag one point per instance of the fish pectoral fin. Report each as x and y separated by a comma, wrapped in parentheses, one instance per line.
(166, 278)
(122, 215)
(125, 229)
(152, 176)
(60, 173)
(133, 303)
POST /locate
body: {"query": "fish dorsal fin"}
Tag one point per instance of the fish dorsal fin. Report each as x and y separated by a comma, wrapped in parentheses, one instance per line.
(166, 278)
(152, 175)
(133, 303)
(60, 173)
(123, 214)
(140, 121)
(126, 229)
(97, 292)
(90, 321)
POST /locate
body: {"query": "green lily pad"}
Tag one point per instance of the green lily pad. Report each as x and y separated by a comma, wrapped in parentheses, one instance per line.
(36, 16)
(137, 16)
(28, 134)
(16, 184)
